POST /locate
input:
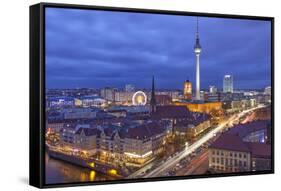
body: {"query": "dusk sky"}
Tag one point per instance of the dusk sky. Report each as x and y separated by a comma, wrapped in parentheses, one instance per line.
(87, 48)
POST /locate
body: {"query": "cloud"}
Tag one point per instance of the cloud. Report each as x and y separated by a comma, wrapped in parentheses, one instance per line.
(86, 48)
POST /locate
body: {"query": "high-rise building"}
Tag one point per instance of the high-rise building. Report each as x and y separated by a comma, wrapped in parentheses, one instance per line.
(228, 84)
(197, 51)
(213, 89)
(129, 88)
(267, 90)
(121, 96)
(187, 90)
(108, 93)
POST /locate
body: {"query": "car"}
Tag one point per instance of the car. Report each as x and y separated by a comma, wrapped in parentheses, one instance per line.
(198, 150)
(148, 170)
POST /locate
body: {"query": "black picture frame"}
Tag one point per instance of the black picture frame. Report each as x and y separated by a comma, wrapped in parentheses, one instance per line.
(37, 93)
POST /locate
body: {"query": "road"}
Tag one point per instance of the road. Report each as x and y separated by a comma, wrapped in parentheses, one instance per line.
(141, 170)
(198, 166)
(164, 167)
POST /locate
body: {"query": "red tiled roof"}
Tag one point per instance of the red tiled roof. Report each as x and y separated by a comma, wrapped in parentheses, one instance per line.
(243, 130)
(161, 99)
(235, 143)
(171, 111)
(260, 150)
(230, 142)
(193, 119)
(88, 131)
(143, 131)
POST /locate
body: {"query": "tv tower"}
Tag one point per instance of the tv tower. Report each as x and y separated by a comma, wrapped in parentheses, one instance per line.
(197, 51)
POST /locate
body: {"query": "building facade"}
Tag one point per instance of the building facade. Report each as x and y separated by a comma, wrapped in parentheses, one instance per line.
(203, 107)
(213, 89)
(108, 94)
(228, 84)
(242, 148)
(187, 90)
(125, 144)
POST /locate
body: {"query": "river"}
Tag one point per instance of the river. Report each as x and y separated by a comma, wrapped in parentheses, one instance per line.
(58, 171)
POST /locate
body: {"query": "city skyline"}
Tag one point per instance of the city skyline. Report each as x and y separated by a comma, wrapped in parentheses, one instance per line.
(126, 96)
(96, 49)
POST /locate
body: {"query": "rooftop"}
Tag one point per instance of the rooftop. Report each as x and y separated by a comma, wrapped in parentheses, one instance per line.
(88, 131)
(142, 131)
(230, 142)
(64, 98)
(235, 143)
(243, 130)
(260, 150)
(171, 111)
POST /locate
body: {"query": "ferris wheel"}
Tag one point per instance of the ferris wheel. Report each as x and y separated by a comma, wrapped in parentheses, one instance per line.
(139, 98)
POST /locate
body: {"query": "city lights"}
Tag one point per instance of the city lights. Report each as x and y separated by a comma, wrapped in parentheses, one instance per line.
(149, 119)
(138, 156)
(139, 98)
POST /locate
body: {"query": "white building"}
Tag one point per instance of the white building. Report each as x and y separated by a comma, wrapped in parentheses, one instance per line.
(213, 89)
(108, 93)
(267, 90)
(88, 101)
(228, 84)
(123, 96)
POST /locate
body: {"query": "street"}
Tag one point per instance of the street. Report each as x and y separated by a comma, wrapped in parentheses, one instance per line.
(199, 165)
(171, 162)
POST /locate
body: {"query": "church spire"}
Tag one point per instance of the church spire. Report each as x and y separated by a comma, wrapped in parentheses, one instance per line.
(152, 99)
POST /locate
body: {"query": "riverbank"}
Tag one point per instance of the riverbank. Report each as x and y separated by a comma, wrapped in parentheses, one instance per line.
(89, 164)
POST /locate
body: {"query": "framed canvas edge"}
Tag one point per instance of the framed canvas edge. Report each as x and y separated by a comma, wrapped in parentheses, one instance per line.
(40, 89)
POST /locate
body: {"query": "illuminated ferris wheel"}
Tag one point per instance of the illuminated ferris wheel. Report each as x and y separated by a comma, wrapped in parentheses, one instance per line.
(139, 98)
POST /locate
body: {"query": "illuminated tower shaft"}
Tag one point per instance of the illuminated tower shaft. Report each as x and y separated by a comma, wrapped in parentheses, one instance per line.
(197, 51)
(197, 95)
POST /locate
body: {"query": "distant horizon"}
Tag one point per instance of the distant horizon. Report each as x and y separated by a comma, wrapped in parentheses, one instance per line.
(156, 89)
(95, 49)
